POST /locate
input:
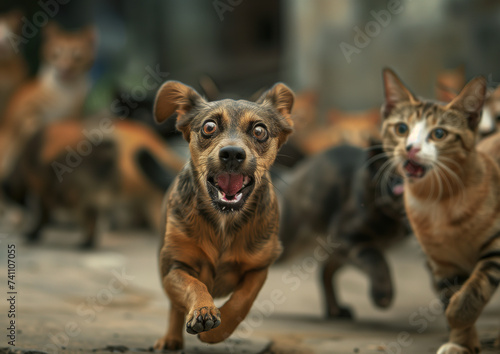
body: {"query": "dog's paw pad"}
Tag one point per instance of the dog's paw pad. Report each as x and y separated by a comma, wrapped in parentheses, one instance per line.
(203, 319)
(452, 348)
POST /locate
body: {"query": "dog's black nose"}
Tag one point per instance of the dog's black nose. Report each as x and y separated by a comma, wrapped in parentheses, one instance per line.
(232, 156)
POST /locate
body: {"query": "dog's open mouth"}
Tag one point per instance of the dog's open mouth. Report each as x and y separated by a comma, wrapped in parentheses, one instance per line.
(413, 169)
(229, 191)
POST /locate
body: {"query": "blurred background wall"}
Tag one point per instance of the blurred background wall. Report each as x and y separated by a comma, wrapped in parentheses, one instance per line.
(245, 45)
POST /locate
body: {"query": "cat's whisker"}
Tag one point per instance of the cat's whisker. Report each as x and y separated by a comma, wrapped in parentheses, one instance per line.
(381, 169)
(452, 174)
(440, 180)
(377, 157)
(373, 147)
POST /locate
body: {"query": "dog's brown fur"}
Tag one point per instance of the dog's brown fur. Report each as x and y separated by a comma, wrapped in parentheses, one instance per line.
(209, 251)
(454, 207)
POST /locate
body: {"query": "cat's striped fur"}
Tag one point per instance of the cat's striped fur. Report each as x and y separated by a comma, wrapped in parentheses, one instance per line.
(452, 198)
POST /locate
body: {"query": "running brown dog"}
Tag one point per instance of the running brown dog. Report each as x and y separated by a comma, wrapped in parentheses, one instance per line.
(222, 219)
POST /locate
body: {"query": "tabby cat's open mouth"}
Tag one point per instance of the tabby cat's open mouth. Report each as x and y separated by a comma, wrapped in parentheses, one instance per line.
(413, 169)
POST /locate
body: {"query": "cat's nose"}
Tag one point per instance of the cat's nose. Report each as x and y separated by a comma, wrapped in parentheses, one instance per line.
(412, 150)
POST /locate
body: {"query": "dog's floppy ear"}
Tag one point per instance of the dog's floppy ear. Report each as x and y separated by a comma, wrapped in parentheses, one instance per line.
(174, 96)
(281, 98)
(395, 92)
(471, 100)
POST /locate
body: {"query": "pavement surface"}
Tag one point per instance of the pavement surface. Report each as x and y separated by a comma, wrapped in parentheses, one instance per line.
(110, 300)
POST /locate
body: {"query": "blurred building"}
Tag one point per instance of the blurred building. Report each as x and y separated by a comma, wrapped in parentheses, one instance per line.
(246, 45)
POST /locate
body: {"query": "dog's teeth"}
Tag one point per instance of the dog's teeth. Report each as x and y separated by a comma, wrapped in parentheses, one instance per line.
(220, 195)
(223, 208)
(232, 209)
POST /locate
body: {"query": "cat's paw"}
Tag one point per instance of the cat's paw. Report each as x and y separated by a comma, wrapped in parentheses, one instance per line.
(382, 297)
(202, 319)
(169, 343)
(340, 313)
(452, 348)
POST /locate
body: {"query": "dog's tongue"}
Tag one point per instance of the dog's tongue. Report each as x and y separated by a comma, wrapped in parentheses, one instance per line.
(230, 183)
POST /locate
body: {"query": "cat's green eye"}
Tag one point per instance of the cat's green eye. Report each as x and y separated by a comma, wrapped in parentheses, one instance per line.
(401, 129)
(438, 134)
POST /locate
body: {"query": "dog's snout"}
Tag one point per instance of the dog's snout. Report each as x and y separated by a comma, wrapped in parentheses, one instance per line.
(232, 156)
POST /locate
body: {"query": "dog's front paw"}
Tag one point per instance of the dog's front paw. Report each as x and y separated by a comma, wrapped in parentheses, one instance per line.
(202, 319)
(452, 348)
(168, 343)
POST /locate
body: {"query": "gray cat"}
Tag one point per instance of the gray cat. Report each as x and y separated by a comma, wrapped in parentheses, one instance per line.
(337, 198)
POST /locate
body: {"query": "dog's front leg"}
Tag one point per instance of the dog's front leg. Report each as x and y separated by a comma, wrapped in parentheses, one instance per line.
(187, 295)
(237, 307)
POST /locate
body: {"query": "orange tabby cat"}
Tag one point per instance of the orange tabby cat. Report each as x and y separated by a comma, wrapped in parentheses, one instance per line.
(13, 68)
(354, 128)
(452, 198)
(58, 92)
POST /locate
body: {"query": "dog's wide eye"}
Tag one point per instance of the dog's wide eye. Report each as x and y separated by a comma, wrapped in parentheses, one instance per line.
(209, 128)
(438, 134)
(260, 132)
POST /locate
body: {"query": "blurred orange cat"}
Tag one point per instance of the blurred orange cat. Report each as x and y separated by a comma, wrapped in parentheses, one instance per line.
(59, 91)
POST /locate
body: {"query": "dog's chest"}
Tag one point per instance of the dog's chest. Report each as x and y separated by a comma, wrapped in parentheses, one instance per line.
(227, 277)
(230, 268)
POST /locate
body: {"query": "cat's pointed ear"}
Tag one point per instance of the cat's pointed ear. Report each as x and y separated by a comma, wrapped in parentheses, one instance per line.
(471, 100)
(395, 92)
(174, 96)
(281, 98)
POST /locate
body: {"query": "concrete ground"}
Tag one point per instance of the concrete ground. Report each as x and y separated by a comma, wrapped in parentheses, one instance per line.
(110, 300)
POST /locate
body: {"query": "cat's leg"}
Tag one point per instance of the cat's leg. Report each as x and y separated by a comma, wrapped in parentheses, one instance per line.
(447, 286)
(90, 216)
(461, 341)
(371, 261)
(330, 267)
(468, 302)
(33, 235)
